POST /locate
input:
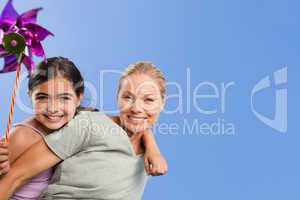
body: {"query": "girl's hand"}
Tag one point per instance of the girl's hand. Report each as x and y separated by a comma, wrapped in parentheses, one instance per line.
(155, 164)
(4, 162)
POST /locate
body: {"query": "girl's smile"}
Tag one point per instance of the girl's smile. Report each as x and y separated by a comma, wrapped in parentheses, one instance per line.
(55, 102)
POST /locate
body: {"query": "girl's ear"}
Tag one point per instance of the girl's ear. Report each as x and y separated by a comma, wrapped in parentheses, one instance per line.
(79, 100)
(29, 94)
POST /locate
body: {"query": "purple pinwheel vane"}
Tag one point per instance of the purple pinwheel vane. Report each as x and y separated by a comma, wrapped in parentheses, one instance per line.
(25, 27)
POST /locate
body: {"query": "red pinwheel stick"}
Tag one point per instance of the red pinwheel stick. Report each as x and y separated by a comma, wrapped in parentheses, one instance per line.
(12, 103)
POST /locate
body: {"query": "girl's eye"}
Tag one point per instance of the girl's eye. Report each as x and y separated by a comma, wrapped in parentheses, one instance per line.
(41, 98)
(65, 98)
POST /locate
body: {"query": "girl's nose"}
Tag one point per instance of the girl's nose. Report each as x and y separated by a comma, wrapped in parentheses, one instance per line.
(52, 107)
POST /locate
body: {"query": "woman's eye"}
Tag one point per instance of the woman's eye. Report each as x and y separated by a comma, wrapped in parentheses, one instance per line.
(149, 100)
(127, 97)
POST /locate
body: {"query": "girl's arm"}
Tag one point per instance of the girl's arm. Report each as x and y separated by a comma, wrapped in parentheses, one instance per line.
(63, 143)
(35, 160)
(21, 138)
(155, 164)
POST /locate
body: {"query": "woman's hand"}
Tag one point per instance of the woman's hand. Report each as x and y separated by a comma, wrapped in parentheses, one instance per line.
(4, 161)
(155, 164)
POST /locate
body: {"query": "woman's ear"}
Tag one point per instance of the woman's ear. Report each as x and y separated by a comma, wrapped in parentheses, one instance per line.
(163, 103)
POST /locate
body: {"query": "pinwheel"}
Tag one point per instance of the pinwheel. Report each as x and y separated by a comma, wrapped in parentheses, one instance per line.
(20, 40)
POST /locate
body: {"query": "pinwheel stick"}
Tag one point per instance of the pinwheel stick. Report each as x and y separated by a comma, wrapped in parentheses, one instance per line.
(12, 102)
(20, 40)
(14, 44)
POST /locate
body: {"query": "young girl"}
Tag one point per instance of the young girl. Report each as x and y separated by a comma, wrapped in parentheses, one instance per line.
(54, 108)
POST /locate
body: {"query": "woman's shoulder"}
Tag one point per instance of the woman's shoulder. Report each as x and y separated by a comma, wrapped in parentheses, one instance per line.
(115, 119)
(91, 115)
(97, 120)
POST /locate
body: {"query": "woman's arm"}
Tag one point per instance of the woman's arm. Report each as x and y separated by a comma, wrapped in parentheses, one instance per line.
(35, 160)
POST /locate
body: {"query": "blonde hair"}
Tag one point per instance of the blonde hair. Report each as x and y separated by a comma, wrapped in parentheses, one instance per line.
(146, 68)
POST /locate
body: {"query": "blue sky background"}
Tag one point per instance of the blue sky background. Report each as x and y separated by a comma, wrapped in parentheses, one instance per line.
(219, 42)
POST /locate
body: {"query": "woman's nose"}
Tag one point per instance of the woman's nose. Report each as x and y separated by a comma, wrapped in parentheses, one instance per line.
(137, 107)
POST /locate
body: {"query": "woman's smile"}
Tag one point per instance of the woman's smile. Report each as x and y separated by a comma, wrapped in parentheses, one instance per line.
(136, 119)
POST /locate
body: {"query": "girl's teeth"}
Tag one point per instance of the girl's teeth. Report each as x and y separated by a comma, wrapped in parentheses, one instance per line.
(53, 117)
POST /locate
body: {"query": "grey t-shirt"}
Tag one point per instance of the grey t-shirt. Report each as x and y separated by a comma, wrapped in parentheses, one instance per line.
(98, 161)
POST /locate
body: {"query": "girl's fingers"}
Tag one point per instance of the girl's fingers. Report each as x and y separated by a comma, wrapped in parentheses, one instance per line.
(3, 158)
(3, 148)
(158, 171)
(4, 167)
(4, 151)
(3, 145)
(155, 170)
(147, 166)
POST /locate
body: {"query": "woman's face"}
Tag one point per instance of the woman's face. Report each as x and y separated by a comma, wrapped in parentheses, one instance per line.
(54, 102)
(139, 102)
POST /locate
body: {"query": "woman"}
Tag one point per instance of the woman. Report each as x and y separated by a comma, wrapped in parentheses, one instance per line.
(139, 109)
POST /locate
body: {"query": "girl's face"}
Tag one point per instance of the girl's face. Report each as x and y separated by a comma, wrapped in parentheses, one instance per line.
(54, 102)
(139, 102)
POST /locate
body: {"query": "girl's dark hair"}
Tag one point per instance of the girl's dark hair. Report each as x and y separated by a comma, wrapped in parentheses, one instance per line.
(58, 66)
(53, 67)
